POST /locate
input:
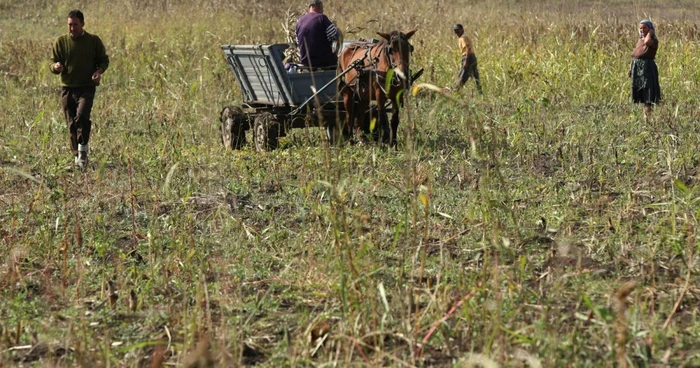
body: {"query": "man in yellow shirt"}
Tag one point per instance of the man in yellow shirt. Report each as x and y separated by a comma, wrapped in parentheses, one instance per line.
(469, 64)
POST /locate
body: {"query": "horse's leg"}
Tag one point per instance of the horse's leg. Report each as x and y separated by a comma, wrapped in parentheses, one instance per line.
(365, 97)
(394, 122)
(381, 125)
(385, 128)
(349, 102)
(360, 118)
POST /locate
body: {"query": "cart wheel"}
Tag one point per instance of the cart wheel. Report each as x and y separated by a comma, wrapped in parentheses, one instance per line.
(266, 132)
(233, 122)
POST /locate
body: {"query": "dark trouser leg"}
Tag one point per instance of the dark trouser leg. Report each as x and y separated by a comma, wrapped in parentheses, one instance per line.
(463, 75)
(84, 99)
(70, 107)
(474, 71)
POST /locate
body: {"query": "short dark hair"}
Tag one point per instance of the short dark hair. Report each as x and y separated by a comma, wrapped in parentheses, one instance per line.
(77, 14)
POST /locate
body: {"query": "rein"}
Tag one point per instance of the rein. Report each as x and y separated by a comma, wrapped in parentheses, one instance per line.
(395, 79)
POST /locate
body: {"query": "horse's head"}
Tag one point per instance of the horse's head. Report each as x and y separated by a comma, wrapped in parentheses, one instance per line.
(399, 49)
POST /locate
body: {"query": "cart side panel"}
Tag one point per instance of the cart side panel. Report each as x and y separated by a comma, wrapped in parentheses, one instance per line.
(301, 86)
(260, 73)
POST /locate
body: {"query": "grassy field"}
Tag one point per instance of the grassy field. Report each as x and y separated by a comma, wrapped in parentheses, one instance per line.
(544, 224)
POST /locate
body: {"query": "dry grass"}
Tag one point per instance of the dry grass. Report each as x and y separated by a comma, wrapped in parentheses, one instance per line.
(502, 231)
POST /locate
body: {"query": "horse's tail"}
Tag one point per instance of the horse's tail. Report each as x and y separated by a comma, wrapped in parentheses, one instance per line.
(339, 70)
(342, 66)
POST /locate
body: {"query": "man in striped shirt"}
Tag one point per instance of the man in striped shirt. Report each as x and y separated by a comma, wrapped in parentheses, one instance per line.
(315, 36)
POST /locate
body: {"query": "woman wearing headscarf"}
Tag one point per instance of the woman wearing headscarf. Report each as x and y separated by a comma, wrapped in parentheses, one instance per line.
(644, 73)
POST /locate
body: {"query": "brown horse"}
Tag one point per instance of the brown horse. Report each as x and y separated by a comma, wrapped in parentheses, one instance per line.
(366, 82)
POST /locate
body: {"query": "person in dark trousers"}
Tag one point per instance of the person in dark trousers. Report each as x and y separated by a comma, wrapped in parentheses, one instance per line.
(643, 71)
(80, 58)
(468, 65)
(315, 36)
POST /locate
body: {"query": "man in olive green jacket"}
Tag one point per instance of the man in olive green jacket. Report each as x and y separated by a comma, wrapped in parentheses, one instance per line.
(80, 58)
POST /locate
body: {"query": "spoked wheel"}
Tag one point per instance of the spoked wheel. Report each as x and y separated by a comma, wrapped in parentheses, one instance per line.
(233, 125)
(266, 132)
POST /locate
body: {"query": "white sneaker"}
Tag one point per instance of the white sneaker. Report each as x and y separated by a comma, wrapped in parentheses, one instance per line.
(82, 158)
(76, 164)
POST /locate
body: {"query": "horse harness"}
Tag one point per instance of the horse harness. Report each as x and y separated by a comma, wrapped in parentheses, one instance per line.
(359, 64)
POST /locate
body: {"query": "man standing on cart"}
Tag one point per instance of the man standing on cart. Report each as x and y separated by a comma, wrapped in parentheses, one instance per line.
(315, 36)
